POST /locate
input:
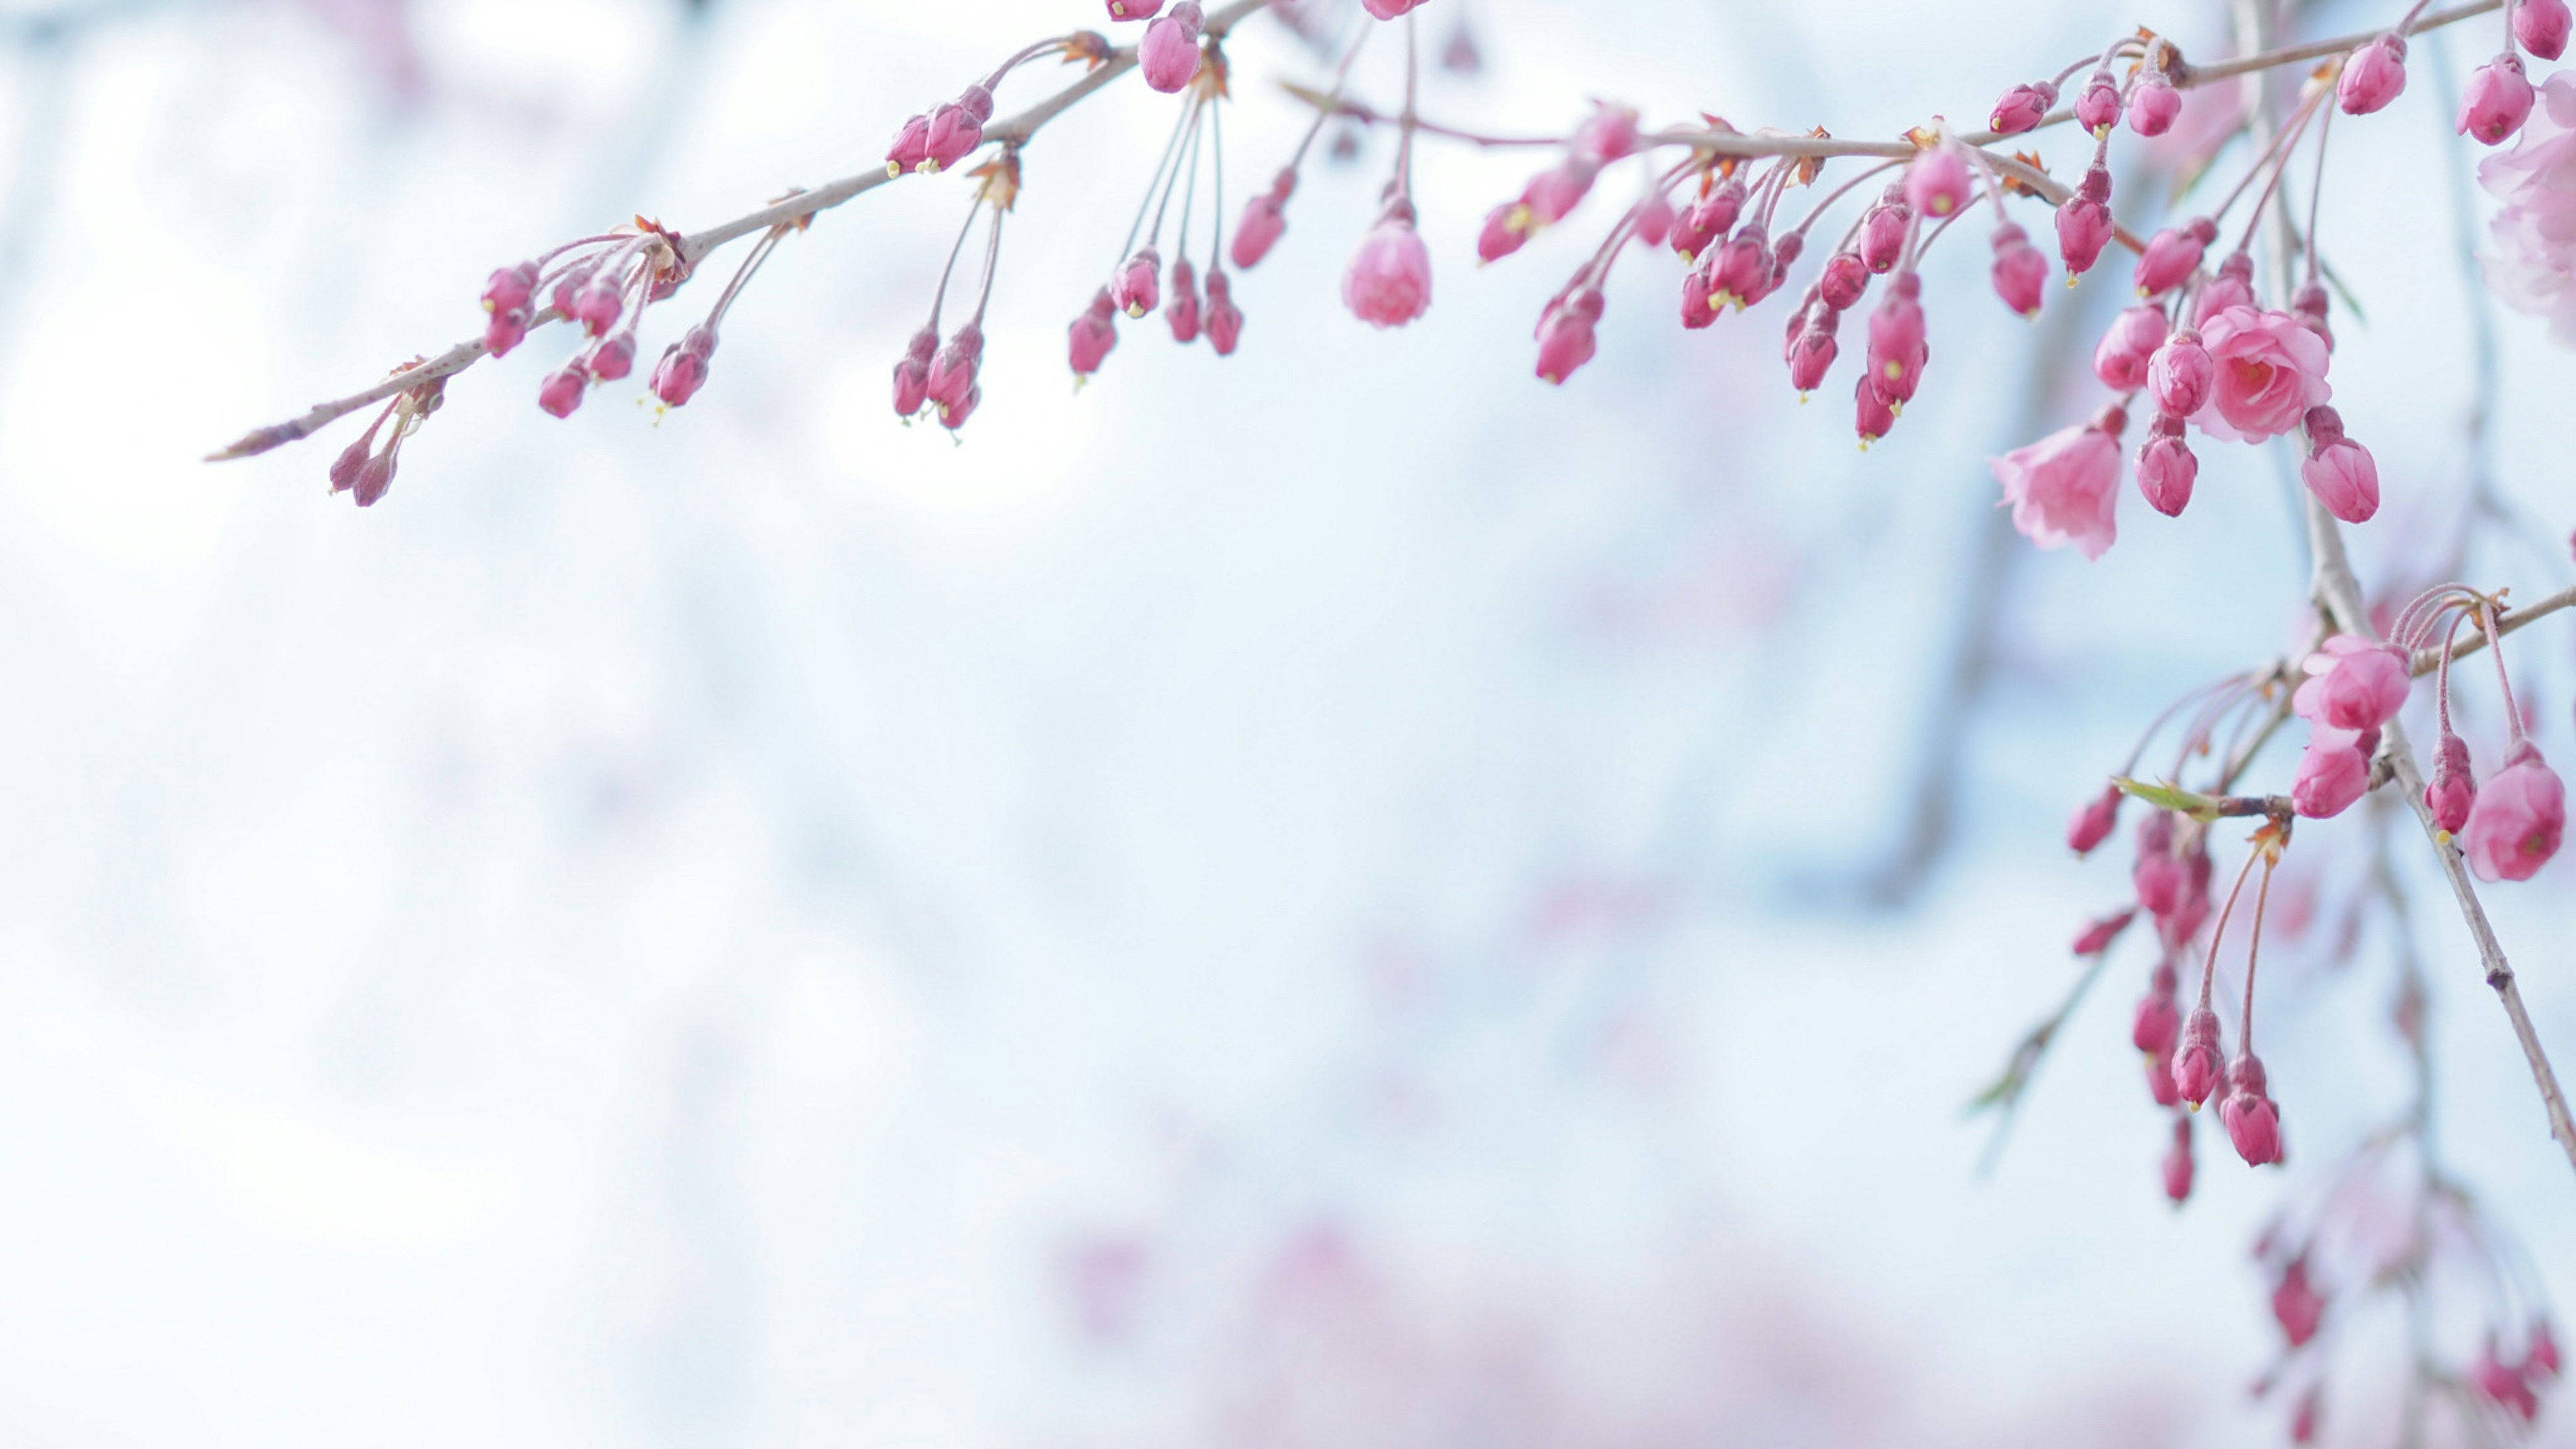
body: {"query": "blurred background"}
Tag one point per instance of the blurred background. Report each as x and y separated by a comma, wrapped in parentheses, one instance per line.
(1339, 896)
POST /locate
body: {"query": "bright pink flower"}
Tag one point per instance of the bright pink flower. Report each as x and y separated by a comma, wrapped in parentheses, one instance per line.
(2353, 684)
(2232, 287)
(1169, 54)
(1608, 134)
(1553, 194)
(1936, 182)
(911, 146)
(2296, 1304)
(1875, 418)
(2166, 468)
(1882, 231)
(598, 306)
(2196, 1064)
(1506, 230)
(953, 415)
(2021, 273)
(1138, 287)
(1134, 9)
(2373, 76)
(2541, 26)
(510, 289)
(956, 130)
(2121, 359)
(1264, 217)
(1740, 272)
(683, 368)
(2098, 108)
(2333, 774)
(2177, 1164)
(2022, 108)
(2253, 1121)
(2181, 375)
(2453, 790)
(1812, 349)
(2497, 102)
(2098, 934)
(2084, 224)
(562, 390)
(2519, 818)
(2153, 105)
(2157, 1027)
(2338, 470)
(952, 372)
(507, 330)
(1183, 310)
(1708, 219)
(2173, 254)
(2532, 265)
(1844, 279)
(2065, 488)
(2160, 1080)
(1088, 342)
(2158, 875)
(2094, 822)
(1654, 224)
(912, 374)
(1565, 340)
(611, 360)
(1897, 350)
(2270, 370)
(1224, 319)
(1698, 310)
(1389, 281)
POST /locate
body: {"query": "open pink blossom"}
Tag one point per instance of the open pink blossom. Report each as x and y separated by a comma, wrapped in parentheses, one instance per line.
(2271, 368)
(2519, 818)
(2334, 773)
(2121, 359)
(2353, 684)
(1389, 282)
(2065, 488)
(2532, 264)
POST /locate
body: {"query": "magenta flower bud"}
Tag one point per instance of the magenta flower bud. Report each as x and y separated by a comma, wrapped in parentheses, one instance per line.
(2096, 819)
(2253, 1120)
(2180, 374)
(599, 305)
(2158, 876)
(1654, 223)
(2232, 287)
(1264, 219)
(1507, 228)
(1875, 417)
(374, 480)
(506, 330)
(1936, 181)
(511, 289)
(1741, 271)
(2160, 1081)
(1896, 342)
(1565, 338)
(611, 360)
(345, 468)
(2022, 108)
(2177, 1164)
(2504, 1384)
(2373, 76)
(1169, 54)
(2157, 1027)
(2167, 469)
(2153, 105)
(2020, 271)
(1183, 310)
(2099, 933)
(2098, 108)
(2196, 1064)
(2353, 684)
(952, 371)
(1882, 232)
(1134, 9)
(1224, 319)
(683, 368)
(1388, 9)
(2453, 790)
(2339, 471)
(912, 374)
(2084, 225)
(2540, 1361)
(1389, 281)
(2333, 773)
(2126, 351)
(1846, 276)
(1609, 134)
(1708, 219)
(2173, 254)
(1811, 353)
(2296, 1304)
(2311, 304)
(2498, 100)
(1138, 287)
(2519, 819)
(1697, 309)
(1552, 195)
(561, 392)
(953, 415)
(954, 132)
(2541, 26)
(1087, 343)
(911, 146)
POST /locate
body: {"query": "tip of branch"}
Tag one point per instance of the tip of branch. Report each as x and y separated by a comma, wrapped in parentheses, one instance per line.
(253, 444)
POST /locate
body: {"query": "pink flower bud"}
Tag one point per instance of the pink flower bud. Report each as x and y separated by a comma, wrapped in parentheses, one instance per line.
(1936, 181)
(2296, 1304)
(1389, 281)
(2373, 76)
(2122, 358)
(2160, 1080)
(1812, 351)
(1506, 230)
(2353, 684)
(1845, 277)
(1698, 310)
(511, 289)
(912, 374)
(2310, 304)
(2172, 255)
(683, 368)
(1740, 273)
(1654, 224)
(953, 415)
(2097, 109)
(1552, 195)
(2178, 1164)
(1183, 310)
(2540, 1361)
(1265, 217)
(2333, 773)
(954, 132)
(2339, 471)
(2518, 820)
(2166, 468)
(1609, 134)
(1896, 341)
(1138, 287)
(1388, 9)
(2253, 1123)
(1134, 9)
(507, 330)
(374, 480)
(599, 305)
(2541, 26)
(2181, 374)
(2022, 108)
(2153, 105)
(2232, 287)
(2084, 224)
(1882, 231)
(1169, 54)
(2094, 822)
(1224, 319)
(345, 468)
(2157, 875)
(2157, 1026)
(2196, 1063)
(911, 146)
(1875, 418)
(2498, 100)
(2504, 1384)
(2453, 790)
(2303, 1419)
(611, 360)
(1565, 340)
(2020, 272)
(562, 390)
(952, 372)
(2099, 933)
(1087, 344)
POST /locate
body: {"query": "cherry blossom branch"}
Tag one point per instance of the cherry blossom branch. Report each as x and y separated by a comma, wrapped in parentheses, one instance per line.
(2508, 619)
(1010, 134)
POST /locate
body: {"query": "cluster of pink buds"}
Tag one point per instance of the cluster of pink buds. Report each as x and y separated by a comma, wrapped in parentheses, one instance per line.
(2512, 824)
(2354, 687)
(365, 469)
(1137, 285)
(933, 142)
(1552, 194)
(604, 284)
(944, 378)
